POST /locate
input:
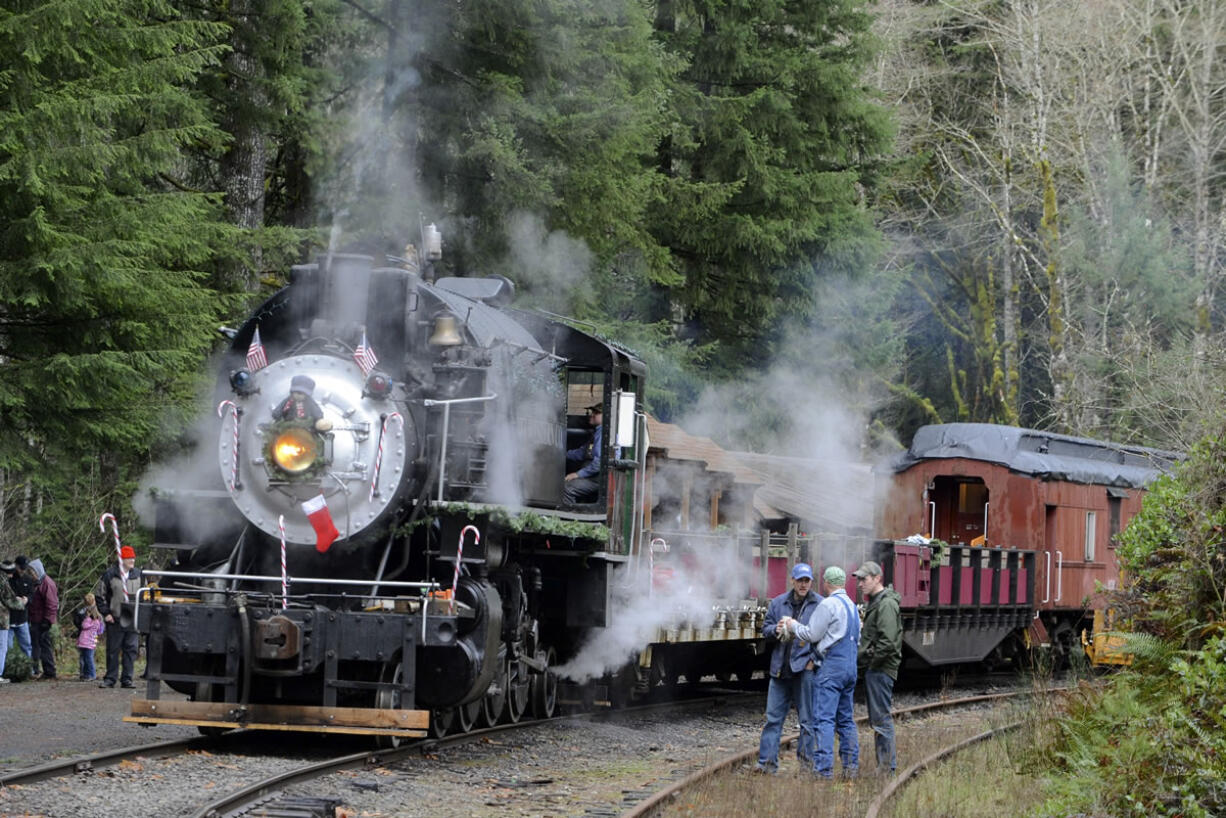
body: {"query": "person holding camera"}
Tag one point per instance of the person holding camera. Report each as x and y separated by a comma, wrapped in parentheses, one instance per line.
(791, 671)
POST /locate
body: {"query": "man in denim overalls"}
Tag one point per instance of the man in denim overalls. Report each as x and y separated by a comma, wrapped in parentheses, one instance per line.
(834, 630)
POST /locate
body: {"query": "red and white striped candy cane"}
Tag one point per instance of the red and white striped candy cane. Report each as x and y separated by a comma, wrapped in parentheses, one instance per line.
(284, 572)
(123, 575)
(374, 480)
(234, 456)
(651, 563)
(459, 555)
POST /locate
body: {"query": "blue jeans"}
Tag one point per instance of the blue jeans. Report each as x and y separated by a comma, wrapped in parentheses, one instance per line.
(21, 633)
(780, 696)
(880, 689)
(4, 646)
(87, 664)
(833, 713)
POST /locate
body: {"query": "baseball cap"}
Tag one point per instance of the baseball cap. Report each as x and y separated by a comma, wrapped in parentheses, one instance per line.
(802, 571)
(835, 575)
(868, 568)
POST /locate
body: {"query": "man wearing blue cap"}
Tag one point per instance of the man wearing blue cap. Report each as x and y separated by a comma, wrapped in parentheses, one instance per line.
(834, 630)
(791, 671)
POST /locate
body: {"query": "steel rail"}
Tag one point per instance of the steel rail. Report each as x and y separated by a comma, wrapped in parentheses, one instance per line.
(107, 758)
(236, 802)
(657, 800)
(900, 780)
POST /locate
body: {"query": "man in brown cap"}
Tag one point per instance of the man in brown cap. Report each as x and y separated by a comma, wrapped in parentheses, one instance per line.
(581, 484)
(879, 657)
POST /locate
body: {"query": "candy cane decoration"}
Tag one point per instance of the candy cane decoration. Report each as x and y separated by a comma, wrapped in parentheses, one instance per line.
(651, 562)
(234, 457)
(374, 480)
(284, 572)
(123, 575)
(459, 555)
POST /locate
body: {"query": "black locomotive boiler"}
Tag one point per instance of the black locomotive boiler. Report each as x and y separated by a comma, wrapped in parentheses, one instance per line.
(380, 535)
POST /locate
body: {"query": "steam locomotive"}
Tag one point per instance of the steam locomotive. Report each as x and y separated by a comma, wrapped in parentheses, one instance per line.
(380, 542)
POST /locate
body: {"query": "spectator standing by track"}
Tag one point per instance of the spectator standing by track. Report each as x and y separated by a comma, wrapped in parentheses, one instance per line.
(120, 583)
(89, 628)
(879, 658)
(44, 609)
(791, 672)
(834, 630)
(9, 601)
(19, 621)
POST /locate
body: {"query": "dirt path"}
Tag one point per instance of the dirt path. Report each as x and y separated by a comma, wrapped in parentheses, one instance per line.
(41, 720)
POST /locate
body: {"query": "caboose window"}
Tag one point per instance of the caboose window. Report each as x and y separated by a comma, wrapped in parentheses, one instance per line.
(1113, 516)
(1091, 532)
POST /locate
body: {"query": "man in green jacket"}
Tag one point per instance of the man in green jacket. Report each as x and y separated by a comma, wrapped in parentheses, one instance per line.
(879, 656)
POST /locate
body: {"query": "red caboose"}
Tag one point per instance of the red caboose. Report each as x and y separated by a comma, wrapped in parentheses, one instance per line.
(1010, 489)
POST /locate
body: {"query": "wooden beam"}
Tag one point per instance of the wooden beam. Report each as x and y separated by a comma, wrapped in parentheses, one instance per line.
(277, 716)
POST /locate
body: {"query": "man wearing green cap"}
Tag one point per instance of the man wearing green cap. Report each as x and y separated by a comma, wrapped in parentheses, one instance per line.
(834, 630)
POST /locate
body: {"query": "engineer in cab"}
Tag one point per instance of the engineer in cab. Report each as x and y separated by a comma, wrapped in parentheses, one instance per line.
(581, 484)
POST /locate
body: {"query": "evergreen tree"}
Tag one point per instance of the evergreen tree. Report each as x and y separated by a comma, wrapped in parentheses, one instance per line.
(778, 136)
(543, 112)
(103, 316)
(266, 99)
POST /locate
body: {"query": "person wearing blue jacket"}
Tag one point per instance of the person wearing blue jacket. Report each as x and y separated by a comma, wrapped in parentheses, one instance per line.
(581, 485)
(791, 671)
(834, 630)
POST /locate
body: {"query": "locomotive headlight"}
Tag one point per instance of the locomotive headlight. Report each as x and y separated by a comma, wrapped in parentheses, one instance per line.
(295, 450)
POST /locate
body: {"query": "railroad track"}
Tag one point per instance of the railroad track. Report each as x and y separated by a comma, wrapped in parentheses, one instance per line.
(267, 793)
(900, 780)
(659, 800)
(96, 761)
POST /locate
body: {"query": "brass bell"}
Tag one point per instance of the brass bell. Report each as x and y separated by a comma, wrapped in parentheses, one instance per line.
(446, 331)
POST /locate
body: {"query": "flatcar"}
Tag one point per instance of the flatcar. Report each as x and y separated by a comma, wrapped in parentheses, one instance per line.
(999, 540)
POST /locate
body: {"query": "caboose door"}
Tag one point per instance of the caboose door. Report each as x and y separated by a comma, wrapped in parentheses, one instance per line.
(960, 508)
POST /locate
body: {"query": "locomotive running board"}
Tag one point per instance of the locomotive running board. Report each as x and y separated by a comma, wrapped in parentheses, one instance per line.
(301, 718)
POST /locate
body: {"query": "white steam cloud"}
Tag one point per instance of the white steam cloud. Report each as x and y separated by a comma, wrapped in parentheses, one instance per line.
(688, 594)
(549, 265)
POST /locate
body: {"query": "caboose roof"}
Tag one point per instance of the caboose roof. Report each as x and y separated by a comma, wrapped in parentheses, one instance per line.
(1046, 455)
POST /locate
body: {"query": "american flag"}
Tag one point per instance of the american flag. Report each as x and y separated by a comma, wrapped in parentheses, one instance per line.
(365, 356)
(256, 359)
